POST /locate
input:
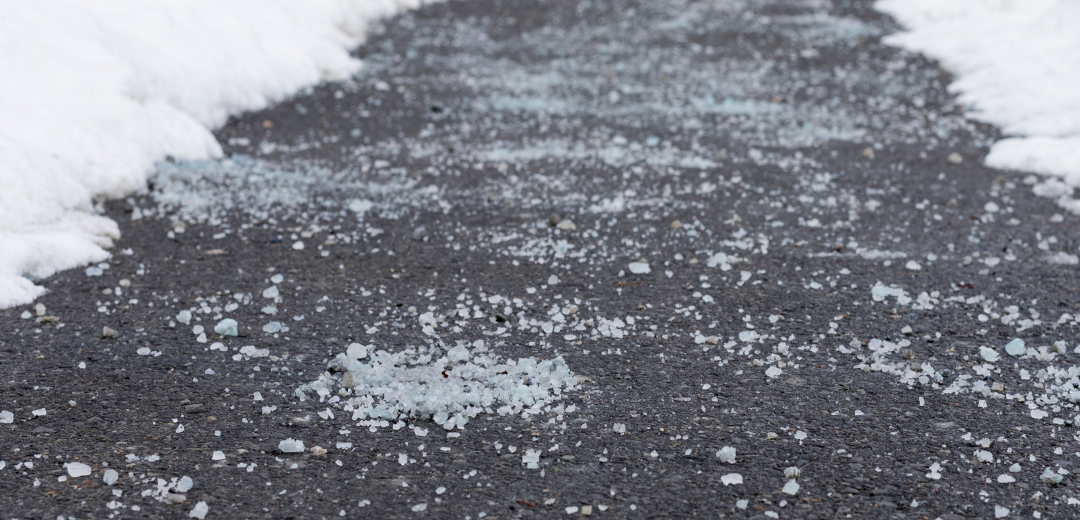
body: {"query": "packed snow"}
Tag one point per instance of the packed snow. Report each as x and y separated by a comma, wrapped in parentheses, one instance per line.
(97, 92)
(1017, 66)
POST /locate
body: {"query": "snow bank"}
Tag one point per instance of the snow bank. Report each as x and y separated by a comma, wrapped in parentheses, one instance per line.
(96, 91)
(1017, 63)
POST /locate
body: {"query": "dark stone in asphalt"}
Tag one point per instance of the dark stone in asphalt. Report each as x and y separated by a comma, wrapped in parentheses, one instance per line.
(781, 134)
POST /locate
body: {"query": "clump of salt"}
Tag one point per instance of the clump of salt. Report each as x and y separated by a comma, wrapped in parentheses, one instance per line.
(1016, 347)
(1051, 477)
(726, 454)
(449, 389)
(226, 327)
(291, 446)
(989, 354)
(184, 317)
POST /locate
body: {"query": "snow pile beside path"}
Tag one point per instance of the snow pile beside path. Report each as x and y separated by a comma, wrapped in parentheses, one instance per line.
(1017, 62)
(97, 91)
(449, 389)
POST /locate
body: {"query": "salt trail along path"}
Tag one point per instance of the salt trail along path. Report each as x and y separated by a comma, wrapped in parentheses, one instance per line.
(755, 247)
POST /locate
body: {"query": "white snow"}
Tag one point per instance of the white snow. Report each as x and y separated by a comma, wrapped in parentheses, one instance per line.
(1017, 63)
(97, 91)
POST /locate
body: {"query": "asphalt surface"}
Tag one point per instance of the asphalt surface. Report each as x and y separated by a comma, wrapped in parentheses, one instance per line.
(783, 135)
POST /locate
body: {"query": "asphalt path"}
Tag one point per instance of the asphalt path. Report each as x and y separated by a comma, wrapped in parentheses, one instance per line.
(744, 225)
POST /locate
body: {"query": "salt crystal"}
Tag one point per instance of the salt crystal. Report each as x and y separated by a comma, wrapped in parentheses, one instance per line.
(218, 455)
(277, 278)
(257, 396)
(1051, 477)
(78, 469)
(571, 510)
(1015, 468)
(741, 504)
(291, 446)
(1001, 512)
(111, 476)
(185, 484)
(272, 328)
(1005, 479)
(402, 459)
(199, 511)
(800, 435)
(989, 354)
(143, 351)
(419, 507)
(912, 265)
(6, 417)
(619, 428)
(726, 454)
(639, 267)
(318, 451)
(791, 488)
(531, 457)
(1016, 347)
(356, 351)
(269, 309)
(553, 280)
(226, 327)
(773, 372)
(271, 292)
(731, 478)
(984, 456)
(40, 412)
(792, 472)
(26, 315)
(298, 245)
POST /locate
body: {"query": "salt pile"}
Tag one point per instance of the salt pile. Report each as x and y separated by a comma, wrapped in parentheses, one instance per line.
(450, 388)
(97, 92)
(1017, 65)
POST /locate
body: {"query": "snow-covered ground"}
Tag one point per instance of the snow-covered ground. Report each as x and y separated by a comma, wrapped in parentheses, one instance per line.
(1017, 64)
(96, 92)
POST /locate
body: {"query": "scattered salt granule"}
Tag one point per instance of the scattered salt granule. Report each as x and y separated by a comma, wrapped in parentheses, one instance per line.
(618, 428)
(419, 507)
(111, 476)
(731, 478)
(935, 471)
(185, 484)
(298, 245)
(912, 265)
(741, 504)
(226, 327)
(1001, 512)
(199, 511)
(773, 372)
(271, 292)
(1051, 477)
(726, 454)
(800, 435)
(1005, 478)
(277, 278)
(6, 417)
(291, 446)
(78, 469)
(272, 328)
(1016, 347)
(219, 455)
(792, 472)
(318, 451)
(531, 458)
(184, 317)
(40, 412)
(791, 488)
(989, 354)
(553, 280)
(639, 267)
